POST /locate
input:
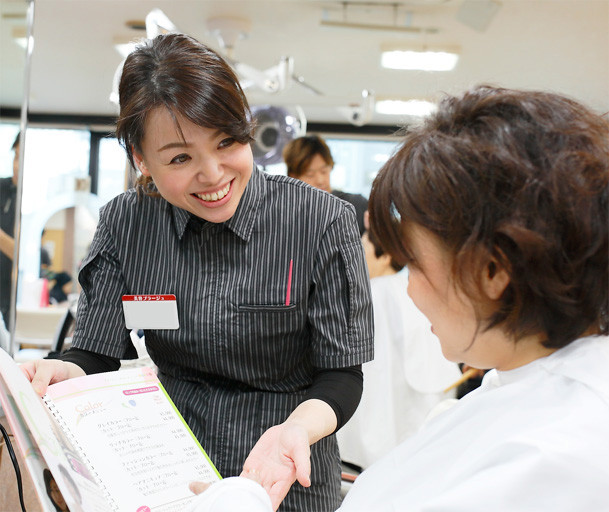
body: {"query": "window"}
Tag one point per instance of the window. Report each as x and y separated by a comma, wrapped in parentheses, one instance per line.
(56, 164)
(112, 169)
(356, 162)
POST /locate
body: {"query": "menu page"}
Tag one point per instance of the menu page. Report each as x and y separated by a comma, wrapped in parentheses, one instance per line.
(45, 447)
(134, 438)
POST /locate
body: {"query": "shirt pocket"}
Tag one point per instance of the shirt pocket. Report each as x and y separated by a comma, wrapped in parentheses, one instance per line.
(269, 339)
(269, 322)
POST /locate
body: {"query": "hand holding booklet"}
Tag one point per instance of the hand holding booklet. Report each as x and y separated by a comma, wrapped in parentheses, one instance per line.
(112, 441)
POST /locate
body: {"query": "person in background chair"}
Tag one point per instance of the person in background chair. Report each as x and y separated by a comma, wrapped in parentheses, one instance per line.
(8, 197)
(309, 159)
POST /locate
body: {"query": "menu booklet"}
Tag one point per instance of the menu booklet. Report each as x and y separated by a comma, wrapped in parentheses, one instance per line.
(109, 441)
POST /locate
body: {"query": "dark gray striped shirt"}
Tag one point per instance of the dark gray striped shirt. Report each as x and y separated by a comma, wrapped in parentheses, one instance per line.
(242, 359)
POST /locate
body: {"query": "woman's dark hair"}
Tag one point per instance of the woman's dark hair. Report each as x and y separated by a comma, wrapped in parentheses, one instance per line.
(189, 79)
(522, 177)
(298, 153)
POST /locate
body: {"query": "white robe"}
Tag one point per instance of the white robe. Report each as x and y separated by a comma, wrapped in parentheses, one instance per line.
(403, 383)
(531, 439)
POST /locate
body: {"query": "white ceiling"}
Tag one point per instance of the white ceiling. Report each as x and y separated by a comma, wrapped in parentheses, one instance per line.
(559, 45)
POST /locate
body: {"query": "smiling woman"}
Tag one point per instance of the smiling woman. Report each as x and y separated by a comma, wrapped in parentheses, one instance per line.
(274, 314)
(198, 169)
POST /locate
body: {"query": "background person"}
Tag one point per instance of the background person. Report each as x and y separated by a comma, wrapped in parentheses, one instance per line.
(408, 375)
(309, 159)
(502, 201)
(269, 275)
(8, 198)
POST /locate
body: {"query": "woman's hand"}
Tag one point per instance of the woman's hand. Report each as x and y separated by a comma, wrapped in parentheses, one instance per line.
(280, 457)
(43, 372)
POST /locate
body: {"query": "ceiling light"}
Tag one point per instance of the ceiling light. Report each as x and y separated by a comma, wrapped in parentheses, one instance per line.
(405, 107)
(426, 60)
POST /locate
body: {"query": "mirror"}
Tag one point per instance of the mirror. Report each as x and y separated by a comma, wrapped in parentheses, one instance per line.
(66, 236)
(11, 238)
(55, 237)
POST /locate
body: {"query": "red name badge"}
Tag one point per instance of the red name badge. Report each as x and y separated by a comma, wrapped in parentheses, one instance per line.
(150, 312)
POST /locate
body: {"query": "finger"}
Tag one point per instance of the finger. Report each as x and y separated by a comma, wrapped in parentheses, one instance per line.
(28, 369)
(198, 487)
(302, 463)
(278, 492)
(42, 378)
(46, 373)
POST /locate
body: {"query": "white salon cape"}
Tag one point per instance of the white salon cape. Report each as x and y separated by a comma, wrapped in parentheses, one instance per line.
(533, 439)
(403, 383)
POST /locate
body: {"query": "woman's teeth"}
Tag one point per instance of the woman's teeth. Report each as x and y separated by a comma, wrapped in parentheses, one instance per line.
(214, 196)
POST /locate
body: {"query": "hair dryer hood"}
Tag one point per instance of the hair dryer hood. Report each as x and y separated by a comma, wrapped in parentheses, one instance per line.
(275, 127)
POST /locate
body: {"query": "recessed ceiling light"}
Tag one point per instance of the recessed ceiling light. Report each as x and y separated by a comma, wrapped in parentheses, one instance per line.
(420, 60)
(417, 108)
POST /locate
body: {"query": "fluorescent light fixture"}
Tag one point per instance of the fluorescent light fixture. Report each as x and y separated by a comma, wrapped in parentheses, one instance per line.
(422, 60)
(417, 108)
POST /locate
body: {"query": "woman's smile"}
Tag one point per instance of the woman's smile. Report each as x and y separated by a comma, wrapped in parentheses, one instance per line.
(217, 198)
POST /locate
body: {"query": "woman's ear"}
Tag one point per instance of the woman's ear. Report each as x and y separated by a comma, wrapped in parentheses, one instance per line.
(139, 162)
(495, 279)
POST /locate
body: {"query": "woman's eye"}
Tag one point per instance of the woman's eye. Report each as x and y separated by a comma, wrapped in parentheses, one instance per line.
(179, 159)
(224, 143)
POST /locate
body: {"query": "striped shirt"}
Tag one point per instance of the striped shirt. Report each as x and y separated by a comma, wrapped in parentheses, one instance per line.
(242, 359)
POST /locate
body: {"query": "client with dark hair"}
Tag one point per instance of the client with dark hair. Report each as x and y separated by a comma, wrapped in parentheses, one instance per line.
(499, 206)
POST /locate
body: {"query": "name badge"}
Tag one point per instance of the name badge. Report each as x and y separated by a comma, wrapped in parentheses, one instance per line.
(150, 312)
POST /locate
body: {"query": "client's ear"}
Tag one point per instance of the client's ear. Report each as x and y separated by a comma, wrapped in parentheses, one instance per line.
(495, 279)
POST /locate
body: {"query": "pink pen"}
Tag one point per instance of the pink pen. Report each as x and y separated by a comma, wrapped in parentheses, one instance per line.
(287, 295)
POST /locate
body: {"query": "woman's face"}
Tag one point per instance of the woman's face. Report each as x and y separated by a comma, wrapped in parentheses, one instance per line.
(205, 174)
(317, 173)
(451, 313)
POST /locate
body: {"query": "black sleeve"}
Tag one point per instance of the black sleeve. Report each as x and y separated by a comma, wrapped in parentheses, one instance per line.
(90, 362)
(340, 388)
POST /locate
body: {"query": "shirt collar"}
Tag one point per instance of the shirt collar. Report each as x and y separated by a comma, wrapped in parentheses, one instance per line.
(242, 222)
(180, 220)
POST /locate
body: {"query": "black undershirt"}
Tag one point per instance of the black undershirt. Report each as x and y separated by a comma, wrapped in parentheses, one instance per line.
(340, 388)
